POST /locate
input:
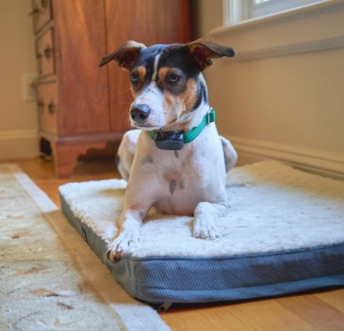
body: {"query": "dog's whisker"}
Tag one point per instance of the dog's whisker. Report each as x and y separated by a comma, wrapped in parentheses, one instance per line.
(125, 91)
(125, 117)
(127, 120)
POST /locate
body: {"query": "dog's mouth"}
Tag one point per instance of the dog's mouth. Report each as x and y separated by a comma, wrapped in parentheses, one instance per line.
(147, 127)
(171, 126)
(150, 127)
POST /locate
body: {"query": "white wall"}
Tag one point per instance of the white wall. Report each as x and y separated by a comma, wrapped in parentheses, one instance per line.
(18, 119)
(283, 97)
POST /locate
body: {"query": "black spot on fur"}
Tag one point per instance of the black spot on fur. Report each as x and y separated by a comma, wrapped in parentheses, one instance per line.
(147, 160)
(173, 185)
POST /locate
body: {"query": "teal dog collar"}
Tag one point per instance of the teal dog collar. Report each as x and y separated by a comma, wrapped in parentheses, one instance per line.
(176, 140)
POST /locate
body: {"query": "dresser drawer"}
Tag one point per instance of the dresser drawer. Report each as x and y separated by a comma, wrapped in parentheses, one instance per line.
(47, 106)
(41, 13)
(46, 54)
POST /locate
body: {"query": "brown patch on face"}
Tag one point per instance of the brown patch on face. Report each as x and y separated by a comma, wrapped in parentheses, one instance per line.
(189, 96)
(173, 107)
(178, 105)
(172, 80)
(163, 72)
(137, 78)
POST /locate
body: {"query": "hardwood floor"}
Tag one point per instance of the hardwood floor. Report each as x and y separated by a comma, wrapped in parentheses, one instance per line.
(316, 311)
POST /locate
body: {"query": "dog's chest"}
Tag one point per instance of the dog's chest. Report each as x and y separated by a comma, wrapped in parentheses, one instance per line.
(179, 180)
(174, 172)
(183, 181)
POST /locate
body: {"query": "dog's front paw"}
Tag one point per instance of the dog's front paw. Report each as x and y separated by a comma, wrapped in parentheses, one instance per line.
(204, 225)
(120, 245)
(204, 230)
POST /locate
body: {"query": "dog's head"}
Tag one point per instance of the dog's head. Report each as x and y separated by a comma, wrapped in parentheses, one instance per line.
(166, 80)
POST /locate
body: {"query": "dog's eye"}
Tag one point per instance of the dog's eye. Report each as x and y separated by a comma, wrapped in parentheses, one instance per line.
(134, 78)
(172, 78)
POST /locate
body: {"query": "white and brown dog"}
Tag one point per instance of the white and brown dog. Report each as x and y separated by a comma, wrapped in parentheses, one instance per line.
(176, 161)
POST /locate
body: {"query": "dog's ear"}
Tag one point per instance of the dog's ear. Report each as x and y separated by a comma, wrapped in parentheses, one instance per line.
(204, 50)
(125, 56)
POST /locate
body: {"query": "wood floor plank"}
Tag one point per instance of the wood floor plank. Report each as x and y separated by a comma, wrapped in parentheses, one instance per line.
(220, 319)
(269, 315)
(261, 315)
(335, 298)
(315, 311)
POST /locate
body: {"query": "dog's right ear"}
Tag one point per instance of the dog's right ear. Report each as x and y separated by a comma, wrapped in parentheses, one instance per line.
(204, 51)
(125, 56)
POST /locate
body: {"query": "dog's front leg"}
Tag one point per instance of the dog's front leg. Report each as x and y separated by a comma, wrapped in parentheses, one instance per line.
(205, 216)
(126, 152)
(129, 224)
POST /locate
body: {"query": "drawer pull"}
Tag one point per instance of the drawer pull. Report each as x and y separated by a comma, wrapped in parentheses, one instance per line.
(51, 108)
(44, 3)
(40, 105)
(47, 52)
(34, 12)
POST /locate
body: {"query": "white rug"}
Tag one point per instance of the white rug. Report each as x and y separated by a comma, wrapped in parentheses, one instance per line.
(49, 278)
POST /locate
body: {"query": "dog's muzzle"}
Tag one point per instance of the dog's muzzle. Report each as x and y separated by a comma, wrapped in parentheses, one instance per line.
(139, 113)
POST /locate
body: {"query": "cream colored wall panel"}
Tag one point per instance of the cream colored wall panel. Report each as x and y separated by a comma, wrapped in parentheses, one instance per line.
(18, 144)
(297, 100)
(283, 90)
(17, 59)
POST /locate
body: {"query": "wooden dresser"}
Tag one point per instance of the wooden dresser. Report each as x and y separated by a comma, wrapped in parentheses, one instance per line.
(80, 105)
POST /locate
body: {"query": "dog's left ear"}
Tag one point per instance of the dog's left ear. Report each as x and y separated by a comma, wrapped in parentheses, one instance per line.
(204, 50)
(125, 56)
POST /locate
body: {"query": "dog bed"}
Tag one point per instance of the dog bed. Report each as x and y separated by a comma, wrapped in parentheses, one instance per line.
(284, 233)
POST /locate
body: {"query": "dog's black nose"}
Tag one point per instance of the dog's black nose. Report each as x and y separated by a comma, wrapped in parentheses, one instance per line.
(139, 113)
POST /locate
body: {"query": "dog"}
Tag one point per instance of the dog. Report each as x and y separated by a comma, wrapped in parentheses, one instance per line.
(175, 159)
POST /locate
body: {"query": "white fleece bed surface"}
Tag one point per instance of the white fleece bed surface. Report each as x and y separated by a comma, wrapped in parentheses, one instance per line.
(275, 210)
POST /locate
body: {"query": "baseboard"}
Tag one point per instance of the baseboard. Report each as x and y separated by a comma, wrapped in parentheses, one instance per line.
(18, 144)
(319, 161)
